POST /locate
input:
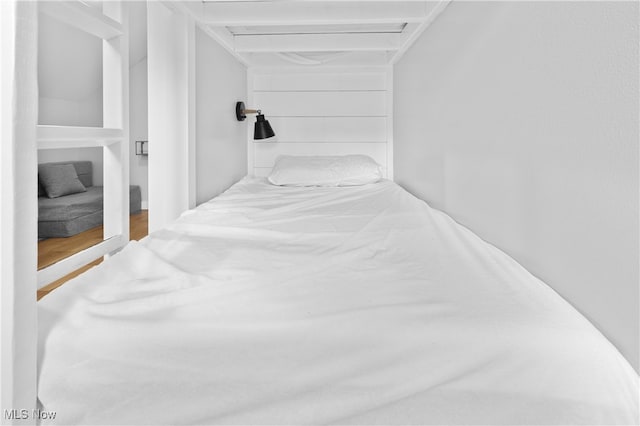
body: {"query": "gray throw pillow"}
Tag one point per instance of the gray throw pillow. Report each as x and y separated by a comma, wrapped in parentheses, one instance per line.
(59, 179)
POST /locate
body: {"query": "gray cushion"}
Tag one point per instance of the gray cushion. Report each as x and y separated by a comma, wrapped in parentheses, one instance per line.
(84, 169)
(59, 179)
(85, 172)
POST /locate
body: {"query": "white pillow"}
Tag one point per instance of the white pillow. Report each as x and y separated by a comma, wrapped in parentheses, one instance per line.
(338, 170)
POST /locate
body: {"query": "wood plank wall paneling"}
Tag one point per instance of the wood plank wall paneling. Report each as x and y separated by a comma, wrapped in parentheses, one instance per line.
(322, 104)
(330, 129)
(275, 82)
(322, 113)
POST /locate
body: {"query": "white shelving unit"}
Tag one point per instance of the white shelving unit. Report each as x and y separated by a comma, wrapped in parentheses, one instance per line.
(110, 23)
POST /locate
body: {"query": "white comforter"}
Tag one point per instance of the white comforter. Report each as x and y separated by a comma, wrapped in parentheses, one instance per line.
(272, 305)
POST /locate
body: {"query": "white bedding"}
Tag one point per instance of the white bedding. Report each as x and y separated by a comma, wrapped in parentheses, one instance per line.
(271, 305)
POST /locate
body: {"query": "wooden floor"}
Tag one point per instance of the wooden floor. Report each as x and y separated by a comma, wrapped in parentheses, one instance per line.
(52, 250)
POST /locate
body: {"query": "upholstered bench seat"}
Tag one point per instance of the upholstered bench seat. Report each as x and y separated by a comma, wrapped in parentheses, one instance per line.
(74, 213)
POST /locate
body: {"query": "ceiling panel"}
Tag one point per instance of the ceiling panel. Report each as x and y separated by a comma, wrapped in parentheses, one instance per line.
(292, 30)
(317, 29)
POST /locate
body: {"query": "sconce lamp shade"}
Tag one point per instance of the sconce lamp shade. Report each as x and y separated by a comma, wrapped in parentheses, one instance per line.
(262, 128)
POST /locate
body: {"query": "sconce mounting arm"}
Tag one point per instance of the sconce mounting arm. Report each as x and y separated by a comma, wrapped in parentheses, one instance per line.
(241, 111)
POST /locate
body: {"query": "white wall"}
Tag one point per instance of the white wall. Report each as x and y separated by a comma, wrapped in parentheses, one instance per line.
(138, 111)
(321, 111)
(65, 112)
(139, 128)
(521, 121)
(220, 139)
(76, 154)
(69, 75)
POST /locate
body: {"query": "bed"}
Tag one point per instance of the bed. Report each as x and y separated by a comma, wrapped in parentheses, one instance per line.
(314, 305)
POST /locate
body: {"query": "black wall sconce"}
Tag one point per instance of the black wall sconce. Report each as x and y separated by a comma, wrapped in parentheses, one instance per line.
(262, 128)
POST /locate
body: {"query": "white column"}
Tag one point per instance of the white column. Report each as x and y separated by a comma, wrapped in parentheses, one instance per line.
(18, 206)
(170, 42)
(115, 71)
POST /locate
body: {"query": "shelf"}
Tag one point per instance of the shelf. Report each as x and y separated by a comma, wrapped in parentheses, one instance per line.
(71, 263)
(82, 16)
(56, 137)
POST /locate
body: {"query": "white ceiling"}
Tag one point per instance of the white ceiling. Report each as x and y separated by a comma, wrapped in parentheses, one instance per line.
(314, 32)
(257, 32)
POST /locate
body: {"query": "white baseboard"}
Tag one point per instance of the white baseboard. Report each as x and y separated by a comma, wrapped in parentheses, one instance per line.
(144, 205)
